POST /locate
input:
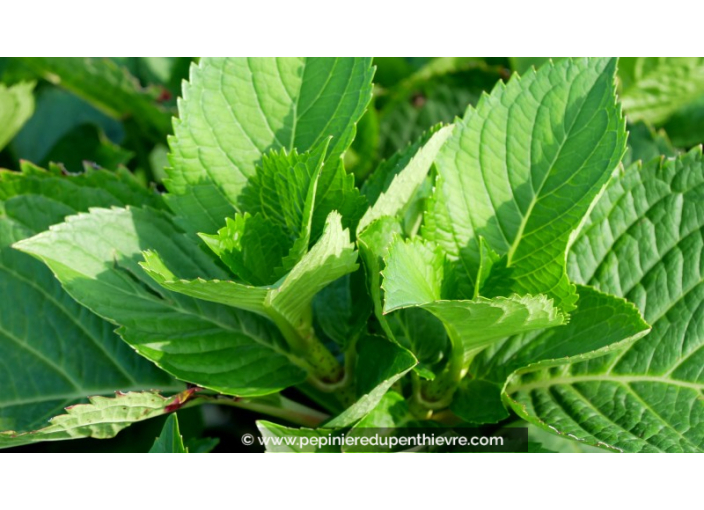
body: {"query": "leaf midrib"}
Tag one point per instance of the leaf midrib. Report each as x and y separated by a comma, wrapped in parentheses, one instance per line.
(534, 200)
(619, 379)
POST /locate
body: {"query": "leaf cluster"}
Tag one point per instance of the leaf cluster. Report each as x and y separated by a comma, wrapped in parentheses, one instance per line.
(342, 244)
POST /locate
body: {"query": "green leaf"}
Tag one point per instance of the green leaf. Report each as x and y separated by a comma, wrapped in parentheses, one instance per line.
(226, 292)
(478, 323)
(643, 241)
(38, 198)
(487, 259)
(102, 418)
(56, 114)
(16, 106)
(170, 440)
(479, 401)
(559, 444)
(389, 413)
(65, 351)
(281, 439)
(232, 113)
(653, 88)
(373, 246)
(332, 257)
(342, 308)
(392, 185)
(391, 70)
(601, 324)
(361, 157)
(437, 92)
(414, 329)
(421, 333)
(288, 303)
(107, 86)
(262, 248)
(96, 255)
(414, 277)
(87, 144)
(379, 365)
(685, 127)
(414, 274)
(407, 118)
(168, 72)
(252, 247)
(337, 192)
(204, 445)
(522, 169)
(523, 64)
(644, 143)
(283, 191)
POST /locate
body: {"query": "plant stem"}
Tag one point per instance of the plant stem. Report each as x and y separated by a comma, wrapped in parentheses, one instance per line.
(326, 371)
(437, 394)
(286, 409)
(325, 366)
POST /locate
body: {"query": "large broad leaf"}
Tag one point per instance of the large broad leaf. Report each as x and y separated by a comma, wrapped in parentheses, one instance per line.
(66, 352)
(522, 169)
(107, 86)
(16, 106)
(234, 110)
(170, 439)
(101, 418)
(96, 255)
(414, 277)
(55, 352)
(653, 88)
(644, 241)
(601, 324)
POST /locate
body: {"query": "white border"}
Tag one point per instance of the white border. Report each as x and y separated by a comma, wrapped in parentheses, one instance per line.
(257, 28)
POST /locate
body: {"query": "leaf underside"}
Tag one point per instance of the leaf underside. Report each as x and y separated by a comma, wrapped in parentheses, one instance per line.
(643, 241)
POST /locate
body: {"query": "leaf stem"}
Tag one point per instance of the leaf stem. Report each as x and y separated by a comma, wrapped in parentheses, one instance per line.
(284, 409)
(326, 372)
(438, 393)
